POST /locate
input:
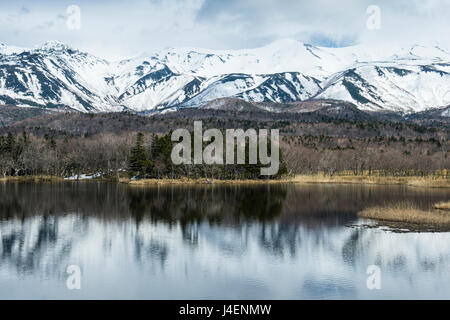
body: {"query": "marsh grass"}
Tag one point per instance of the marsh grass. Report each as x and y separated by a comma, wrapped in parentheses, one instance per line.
(427, 182)
(445, 205)
(408, 213)
(41, 178)
(186, 181)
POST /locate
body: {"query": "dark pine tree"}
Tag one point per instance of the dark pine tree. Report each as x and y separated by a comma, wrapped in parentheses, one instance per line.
(139, 162)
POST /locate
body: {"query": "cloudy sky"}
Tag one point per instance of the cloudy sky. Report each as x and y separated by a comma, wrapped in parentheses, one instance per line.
(117, 29)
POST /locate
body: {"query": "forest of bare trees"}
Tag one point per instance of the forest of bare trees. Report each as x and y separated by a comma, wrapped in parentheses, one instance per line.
(108, 155)
(27, 154)
(148, 155)
(71, 144)
(379, 156)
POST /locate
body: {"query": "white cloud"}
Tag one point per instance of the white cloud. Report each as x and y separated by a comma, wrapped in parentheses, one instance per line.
(115, 28)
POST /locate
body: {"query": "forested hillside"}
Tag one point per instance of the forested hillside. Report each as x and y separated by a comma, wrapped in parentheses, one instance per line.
(66, 144)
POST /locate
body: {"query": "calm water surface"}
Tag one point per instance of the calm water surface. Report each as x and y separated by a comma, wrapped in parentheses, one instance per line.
(214, 242)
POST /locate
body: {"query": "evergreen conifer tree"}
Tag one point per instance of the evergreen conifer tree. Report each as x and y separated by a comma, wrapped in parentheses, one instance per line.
(139, 163)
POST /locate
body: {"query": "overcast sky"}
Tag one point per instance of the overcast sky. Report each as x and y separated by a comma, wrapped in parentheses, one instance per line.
(116, 29)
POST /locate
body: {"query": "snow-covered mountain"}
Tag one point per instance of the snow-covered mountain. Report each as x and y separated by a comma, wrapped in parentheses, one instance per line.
(404, 79)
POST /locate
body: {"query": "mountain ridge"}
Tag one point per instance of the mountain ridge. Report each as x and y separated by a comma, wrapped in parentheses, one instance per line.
(57, 76)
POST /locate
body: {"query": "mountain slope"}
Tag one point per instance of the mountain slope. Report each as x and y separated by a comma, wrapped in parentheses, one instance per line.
(390, 78)
(391, 87)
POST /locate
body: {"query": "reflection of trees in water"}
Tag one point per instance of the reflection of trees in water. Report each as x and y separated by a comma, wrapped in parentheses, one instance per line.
(282, 219)
(35, 245)
(192, 206)
(279, 239)
(215, 204)
(262, 204)
(50, 204)
(397, 252)
(22, 200)
(155, 251)
(206, 203)
(350, 249)
(189, 233)
(45, 244)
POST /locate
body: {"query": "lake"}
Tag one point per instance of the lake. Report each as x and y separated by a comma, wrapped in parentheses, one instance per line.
(214, 242)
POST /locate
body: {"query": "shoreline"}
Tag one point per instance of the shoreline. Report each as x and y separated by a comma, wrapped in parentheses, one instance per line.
(413, 181)
(428, 182)
(424, 182)
(31, 179)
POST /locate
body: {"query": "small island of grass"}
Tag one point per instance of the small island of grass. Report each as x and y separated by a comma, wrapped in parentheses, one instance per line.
(410, 215)
(445, 205)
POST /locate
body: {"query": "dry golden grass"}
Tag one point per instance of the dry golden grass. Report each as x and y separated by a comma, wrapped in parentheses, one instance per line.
(445, 205)
(307, 179)
(407, 213)
(346, 179)
(428, 182)
(32, 179)
(184, 181)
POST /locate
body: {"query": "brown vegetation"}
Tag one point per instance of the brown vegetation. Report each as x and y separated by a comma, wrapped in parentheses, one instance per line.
(427, 182)
(40, 178)
(409, 214)
(442, 205)
(186, 181)
(437, 181)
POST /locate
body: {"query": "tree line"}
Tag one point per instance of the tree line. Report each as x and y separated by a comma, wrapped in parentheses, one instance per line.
(381, 156)
(111, 155)
(138, 155)
(155, 162)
